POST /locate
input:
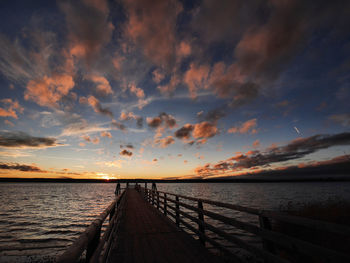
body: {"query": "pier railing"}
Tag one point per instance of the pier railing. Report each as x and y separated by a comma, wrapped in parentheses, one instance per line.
(89, 240)
(177, 206)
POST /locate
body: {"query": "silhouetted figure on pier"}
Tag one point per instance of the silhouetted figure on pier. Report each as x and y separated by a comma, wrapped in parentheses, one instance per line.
(117, 189)
(154, 187)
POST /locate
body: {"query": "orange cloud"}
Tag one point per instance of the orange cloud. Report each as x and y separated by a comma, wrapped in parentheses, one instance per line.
(103, 86)
(87, 138)
(244, 128)
(117, 163)
(11, 110)
(157, 75)
(170, 87)
(200, 131)
(127, 116)
(256, 144)
(48, 91)
(196, 78)
(88, 26)
(137, 91)
(204, 130)
(165, 142)
(9, 123)
(96, 105)
(183, 49)
(106, 134)
(154, 28)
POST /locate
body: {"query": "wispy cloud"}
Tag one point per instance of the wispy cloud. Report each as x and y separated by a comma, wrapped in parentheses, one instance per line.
(342, 119)
(21, 167)
(244, 128)
(15, 154)
(17, 139)
(83, 127)
(296, 149)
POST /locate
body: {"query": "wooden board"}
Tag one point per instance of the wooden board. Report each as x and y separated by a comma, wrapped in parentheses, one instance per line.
(147, 236)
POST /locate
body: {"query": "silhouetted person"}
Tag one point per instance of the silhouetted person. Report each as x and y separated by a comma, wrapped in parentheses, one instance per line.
(117, 189)
(137, 187)
(154, 187)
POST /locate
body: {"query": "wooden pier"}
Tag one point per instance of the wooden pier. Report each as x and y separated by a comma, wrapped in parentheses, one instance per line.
(146, 235)
(146, 225)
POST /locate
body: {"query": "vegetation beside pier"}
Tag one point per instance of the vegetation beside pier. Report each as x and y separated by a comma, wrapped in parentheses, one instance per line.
(332, 210)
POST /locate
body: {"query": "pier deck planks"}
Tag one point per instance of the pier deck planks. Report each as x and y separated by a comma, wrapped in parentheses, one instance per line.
(147, 236)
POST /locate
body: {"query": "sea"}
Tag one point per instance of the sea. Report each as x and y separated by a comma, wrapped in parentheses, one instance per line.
(39, 220)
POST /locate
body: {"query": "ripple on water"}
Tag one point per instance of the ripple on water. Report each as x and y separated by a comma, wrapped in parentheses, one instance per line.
(37, 221)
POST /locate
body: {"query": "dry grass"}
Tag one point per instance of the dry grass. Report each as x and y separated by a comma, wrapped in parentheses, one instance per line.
(334, 210)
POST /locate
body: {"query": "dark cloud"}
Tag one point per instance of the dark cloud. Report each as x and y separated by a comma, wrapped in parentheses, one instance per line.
(20, 139)
(129, 146)
(294, 150)
(139, 122)
(226, 21)
(21, 167)
(156, 16)
(265, 49)
(213, 115)
(125, 153)
(164, 119)
(200, 131)
(88, 26)
(127, 116)
(263, 36)
(155, 122)
(184, 132)
(96, 105)
(118, 125)
(336, 167)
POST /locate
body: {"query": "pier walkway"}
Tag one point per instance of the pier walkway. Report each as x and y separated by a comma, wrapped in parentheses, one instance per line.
(146, 235)
(148, 226)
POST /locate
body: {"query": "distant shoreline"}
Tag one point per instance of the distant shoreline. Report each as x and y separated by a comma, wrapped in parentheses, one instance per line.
(230, 180)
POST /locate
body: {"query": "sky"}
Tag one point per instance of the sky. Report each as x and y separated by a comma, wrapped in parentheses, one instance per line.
(173, 89)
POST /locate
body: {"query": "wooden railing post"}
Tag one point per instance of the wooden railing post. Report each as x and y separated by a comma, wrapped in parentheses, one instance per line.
(165, 204)
(200, 225)
(157, 200)
(152, 197)
(93, 244)
(177, 211)
(266, 224)
(111, 214)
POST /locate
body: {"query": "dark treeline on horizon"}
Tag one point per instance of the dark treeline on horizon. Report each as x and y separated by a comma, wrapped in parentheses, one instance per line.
(216, 180)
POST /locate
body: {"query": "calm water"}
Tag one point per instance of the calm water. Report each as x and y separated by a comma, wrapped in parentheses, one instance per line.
(37, 221)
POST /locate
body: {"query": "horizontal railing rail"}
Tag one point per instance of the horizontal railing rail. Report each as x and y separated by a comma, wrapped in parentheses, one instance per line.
(89, 240)
(270, 239)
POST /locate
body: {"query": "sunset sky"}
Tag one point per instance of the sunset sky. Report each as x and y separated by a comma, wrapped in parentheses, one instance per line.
(172, 89)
